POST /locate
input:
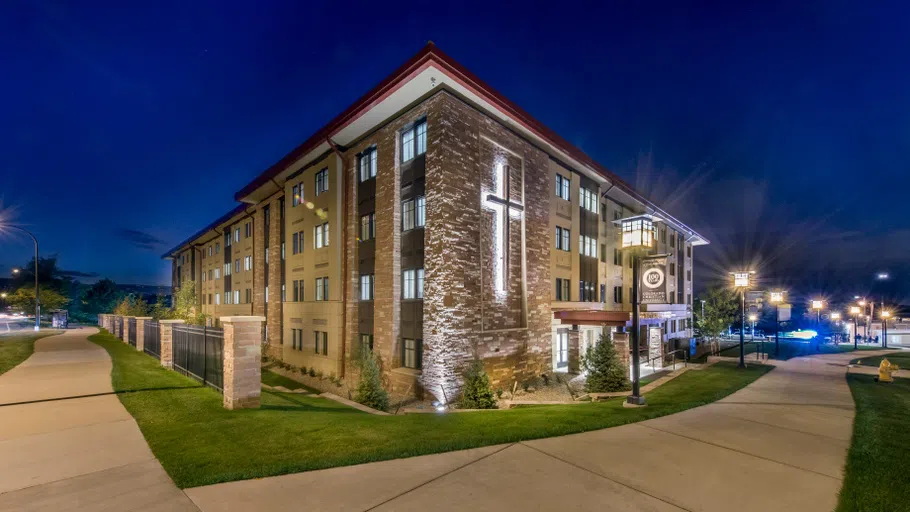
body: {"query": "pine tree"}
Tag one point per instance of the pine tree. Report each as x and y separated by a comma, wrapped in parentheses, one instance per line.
(477, 392)
(605, 372)
(369, 390)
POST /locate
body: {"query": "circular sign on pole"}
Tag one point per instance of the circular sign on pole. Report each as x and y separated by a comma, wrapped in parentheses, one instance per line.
(653, 277)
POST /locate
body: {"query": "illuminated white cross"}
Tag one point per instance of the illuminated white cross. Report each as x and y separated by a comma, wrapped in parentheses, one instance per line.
(500, 201)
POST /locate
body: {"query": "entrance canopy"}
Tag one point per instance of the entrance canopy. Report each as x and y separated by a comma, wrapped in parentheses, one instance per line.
(593, 317)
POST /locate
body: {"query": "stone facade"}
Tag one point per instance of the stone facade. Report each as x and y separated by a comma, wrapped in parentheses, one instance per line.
(242, 361)
(166, 335)
(140, 332)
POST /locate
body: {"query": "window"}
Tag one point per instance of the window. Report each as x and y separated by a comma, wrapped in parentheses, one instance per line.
(294, 339)
(236, 234)
(689, 299)
(297, 242)
(589, 200)
(414, 141)
(203, 277)
(299, 290)
(562, 289)
(366, 342)
(248, 229)
(227, 297)
(227, 238)
(367, 227)
(322, 288)
(617, 256)
(412, 353)
(413, 213)
(688, 275)
(562, 348)
(672, 239)
(322, 181)
(603, 212)
(237, 265)
(210, 250)
(689, 250)
(412, 284)
(366, 287)
(294, 293)
(217, 298)
(210, 298)
(603, 293)
(248, 296)
(217, 248)
(217, 273)
(282, 251)
(617, 294)
(617, 214)
(603, 253)
(672, 269)
(236, 297)
(368, 164)
(562, 187)
(321, 236)
(266, 294)
(247, 263)
(322, 342)
(227, 269)
(586, 291)
(587, 246)
(296, 195)
(562, 239)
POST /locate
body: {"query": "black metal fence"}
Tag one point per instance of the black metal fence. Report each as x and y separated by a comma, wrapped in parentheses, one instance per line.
(131, 335)
(152, 339)
(119, 325)
(198, 353)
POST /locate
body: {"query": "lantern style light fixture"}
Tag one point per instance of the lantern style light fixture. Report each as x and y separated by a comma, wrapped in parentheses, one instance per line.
(638, 231)
(777, 297)
(637, 235)
(817, 304)
(742, 279)
(854, 312)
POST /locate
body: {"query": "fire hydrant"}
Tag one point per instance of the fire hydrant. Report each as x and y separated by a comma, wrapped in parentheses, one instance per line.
(885, 369)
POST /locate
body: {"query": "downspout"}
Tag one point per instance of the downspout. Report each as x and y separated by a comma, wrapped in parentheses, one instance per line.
(344, 257)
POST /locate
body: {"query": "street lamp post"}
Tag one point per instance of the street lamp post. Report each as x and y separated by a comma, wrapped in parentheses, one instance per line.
(817, 305)
(885, 316)
(854, 311)
(37, 297)
(836, 317)
(776, 299)
(637, 235)
(741, 280)
(862, 304)
(753, 318)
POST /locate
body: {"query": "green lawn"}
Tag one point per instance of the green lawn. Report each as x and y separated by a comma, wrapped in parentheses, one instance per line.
(15, 348)
(273, 379)
(876, 474)
(199, 442)
(901, 359)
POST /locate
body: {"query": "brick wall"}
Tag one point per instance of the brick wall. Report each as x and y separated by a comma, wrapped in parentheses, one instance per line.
(459, 162)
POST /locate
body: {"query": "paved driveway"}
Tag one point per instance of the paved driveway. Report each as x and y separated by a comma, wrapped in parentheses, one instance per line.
(62, 450)
(778, 444)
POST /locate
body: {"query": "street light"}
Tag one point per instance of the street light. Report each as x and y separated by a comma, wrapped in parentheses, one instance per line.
(818, 305)
(638, 235)
(741, 280)
(777, 298)
(854, 311)
(16, 271)
(885, 316)
(882, 276)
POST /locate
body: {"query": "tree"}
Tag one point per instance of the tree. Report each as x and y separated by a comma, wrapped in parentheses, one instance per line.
(720, 309)
(369, 389)
(23, 299)
(160, 309)
(477, 392)
(186, 305)
(605, 370)
(101, 297)
(132, 306)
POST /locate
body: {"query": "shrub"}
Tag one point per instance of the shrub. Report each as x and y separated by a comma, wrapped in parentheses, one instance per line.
(369, 390)
(312, 372)
(605, 372)
(499, 393)
(303, 370)
(477, 392)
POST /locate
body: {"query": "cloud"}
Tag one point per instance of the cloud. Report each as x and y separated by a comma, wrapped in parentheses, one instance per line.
(141, 239)
(77, 273)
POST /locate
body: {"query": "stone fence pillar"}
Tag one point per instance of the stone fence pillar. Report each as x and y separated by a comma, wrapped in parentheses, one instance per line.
(574, 351)
(140, 332)
(621, 342)
(126, 329)
(167, 342)
(242, 361)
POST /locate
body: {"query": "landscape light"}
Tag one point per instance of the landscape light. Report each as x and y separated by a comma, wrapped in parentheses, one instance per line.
(741, 279)
(854, 310)
(886, 314)
(753, 317)
(777, 297)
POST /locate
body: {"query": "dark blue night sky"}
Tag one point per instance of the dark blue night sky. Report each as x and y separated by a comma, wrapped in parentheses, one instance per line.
(781, 132)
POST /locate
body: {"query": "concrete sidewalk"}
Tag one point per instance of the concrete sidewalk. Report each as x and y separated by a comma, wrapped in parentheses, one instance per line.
(778, 444)
(64, 453)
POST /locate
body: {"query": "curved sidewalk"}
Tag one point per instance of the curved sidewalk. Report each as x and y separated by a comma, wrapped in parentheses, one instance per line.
(63, 450)
(778, 444)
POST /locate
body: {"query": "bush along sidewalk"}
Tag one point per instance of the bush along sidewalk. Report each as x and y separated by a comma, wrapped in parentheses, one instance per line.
(369, 390)
(477, 392)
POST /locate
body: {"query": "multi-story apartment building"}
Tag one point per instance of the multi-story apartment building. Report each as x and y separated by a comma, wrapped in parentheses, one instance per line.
(433, 222)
